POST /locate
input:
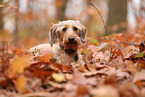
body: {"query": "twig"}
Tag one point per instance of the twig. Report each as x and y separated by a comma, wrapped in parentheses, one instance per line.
(106, 27)
(8, 44)
(103, 23)
(129, 43)
(3, 45)
(2, 59)
(101, 18)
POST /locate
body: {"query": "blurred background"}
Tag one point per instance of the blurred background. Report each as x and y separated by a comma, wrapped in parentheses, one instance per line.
(27, 22)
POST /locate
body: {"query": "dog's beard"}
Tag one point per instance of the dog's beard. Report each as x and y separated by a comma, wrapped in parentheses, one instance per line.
(71, 45)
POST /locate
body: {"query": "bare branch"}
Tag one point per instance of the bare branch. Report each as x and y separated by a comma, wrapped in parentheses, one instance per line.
(101, 18)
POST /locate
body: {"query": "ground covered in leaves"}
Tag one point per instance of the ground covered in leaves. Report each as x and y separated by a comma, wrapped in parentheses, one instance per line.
(114, 68)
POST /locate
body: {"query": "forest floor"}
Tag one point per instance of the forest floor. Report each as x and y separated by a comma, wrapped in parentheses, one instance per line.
(114, 68)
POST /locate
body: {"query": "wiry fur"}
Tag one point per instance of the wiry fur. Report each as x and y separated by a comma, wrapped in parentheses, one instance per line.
(64, 51)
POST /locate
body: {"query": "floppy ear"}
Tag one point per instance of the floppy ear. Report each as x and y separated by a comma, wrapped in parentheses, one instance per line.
(53, 34)
(82, 34)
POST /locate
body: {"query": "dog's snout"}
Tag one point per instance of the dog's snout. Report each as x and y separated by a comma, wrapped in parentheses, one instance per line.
(71, 39)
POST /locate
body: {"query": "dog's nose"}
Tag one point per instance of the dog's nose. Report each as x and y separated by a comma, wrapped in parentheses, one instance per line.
(71, 39)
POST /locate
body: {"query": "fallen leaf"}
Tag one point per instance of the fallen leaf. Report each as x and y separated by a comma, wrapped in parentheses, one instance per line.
(94, 41)
(128, 90)
(130, 50)
(58, 77)
(54, 84)
(18, 51)
(139, 76)
(18, 65)
(3, 80)
(142, 47)
(106, 91)
(82, 91)
(69, 76)
(95, 48)
(139, 55)
(99, 57)
(20, 84)
(67, 68)
(46, 58)
(81, 79)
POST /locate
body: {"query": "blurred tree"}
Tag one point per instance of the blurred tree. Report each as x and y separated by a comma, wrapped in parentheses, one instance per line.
(117, 13)
(1, 17)
(16, 32)
(60, 8)
(17, 16)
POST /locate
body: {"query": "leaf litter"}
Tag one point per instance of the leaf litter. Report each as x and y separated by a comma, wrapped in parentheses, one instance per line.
(116, 72)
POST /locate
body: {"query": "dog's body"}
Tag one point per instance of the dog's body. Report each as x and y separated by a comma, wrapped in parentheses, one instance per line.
(69, 35)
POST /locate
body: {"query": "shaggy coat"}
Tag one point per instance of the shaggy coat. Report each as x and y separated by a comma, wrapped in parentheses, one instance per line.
(65, 38)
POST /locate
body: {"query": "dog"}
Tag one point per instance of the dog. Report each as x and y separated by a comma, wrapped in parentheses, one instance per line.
(65, 38)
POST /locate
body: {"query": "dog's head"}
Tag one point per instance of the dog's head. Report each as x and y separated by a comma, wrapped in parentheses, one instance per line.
(69, 33)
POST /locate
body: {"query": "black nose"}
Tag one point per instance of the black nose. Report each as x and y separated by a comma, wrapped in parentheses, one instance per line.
(71, 39)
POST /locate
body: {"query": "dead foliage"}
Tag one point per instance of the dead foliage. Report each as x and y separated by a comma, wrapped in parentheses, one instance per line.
(113, 68)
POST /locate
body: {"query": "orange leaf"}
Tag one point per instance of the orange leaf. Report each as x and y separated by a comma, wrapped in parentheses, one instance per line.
(46, 58)
(20, 84)
(0, 61)
(19, 64)
(18, 51)
(66, 68)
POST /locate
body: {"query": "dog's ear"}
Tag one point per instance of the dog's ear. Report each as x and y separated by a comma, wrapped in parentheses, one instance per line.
(53, 34)
(82, 34)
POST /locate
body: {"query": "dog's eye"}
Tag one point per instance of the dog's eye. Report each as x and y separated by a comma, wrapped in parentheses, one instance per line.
(64, 29)
(75, 28)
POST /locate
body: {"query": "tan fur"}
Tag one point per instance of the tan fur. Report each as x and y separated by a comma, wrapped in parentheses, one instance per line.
(61, 50)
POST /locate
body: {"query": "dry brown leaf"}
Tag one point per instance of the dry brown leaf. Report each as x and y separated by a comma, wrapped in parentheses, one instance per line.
(82, 91)
(130, 50)
(128, 90)
(3, 81)
(56, 85)
(106, 91)
(99, 56)
(81, 79)
(140, 78)
(69, 76)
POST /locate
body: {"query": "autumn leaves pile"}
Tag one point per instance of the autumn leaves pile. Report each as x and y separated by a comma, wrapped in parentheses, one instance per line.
(114, 68)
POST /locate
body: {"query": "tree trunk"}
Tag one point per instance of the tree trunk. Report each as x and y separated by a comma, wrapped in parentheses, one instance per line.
(60, 9)
(16, 17)
(1, 16)
(117, 13)
(16, 32)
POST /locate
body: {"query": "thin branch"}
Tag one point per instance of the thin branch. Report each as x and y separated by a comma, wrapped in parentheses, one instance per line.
(129, 43)
(103, 23)
(8, 44)
(3, 45)
(3, 67)
(101, 18)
